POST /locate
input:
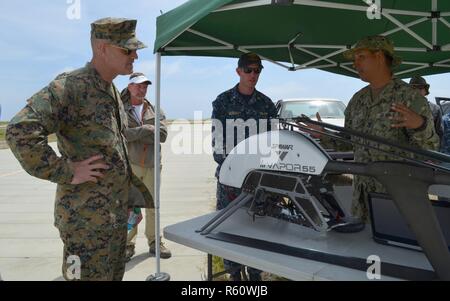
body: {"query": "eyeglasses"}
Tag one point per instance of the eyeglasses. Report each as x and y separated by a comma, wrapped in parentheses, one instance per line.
(249, 70)
(125, 51)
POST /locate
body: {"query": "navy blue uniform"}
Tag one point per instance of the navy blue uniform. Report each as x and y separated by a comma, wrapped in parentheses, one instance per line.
(232, 105)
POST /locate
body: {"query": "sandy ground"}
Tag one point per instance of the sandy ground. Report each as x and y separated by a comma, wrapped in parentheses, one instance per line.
(30, 247)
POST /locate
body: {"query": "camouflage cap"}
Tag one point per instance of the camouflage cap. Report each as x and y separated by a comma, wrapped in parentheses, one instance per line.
(419, 82)
(249, 59)
(118, 31)
(375, 43)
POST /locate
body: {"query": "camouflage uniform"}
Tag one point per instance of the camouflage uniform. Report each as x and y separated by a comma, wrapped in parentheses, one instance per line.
(420, 83)
(369, 114)
(437, 119)
(231, 105)
(88, 117)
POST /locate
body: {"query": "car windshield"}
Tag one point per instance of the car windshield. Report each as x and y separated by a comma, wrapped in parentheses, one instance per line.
(326, 109)
(445, 108)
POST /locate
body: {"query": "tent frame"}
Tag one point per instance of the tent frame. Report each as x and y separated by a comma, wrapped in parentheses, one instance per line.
(433, 16)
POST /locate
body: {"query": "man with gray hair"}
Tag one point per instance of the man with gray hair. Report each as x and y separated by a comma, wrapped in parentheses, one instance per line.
(83, 108)
(140, 135)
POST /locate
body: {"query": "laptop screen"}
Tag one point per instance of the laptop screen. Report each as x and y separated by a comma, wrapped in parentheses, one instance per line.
(389, 226)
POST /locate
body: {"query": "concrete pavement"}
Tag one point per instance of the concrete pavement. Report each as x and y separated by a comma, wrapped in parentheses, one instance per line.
(30, 247)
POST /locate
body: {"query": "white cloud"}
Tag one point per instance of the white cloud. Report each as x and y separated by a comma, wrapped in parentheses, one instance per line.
(165, 6)
(171, 68)
(213, 70)
(286, 90)
(147, 67)
(168, 69)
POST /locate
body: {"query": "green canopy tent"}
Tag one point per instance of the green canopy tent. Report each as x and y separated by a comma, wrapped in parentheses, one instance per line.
(302, 34)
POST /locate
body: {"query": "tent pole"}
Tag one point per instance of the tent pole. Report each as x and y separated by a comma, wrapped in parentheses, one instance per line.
(157, 155)
(434, 23)
(158, 276)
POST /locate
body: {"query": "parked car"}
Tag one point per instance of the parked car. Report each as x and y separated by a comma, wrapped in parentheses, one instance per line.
(331, 111)
(444, 104)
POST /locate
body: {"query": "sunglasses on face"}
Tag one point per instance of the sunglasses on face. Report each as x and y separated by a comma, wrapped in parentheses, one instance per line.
(125, 51)
(249, 70)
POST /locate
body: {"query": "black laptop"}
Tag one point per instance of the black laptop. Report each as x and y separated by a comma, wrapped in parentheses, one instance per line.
(389, 227)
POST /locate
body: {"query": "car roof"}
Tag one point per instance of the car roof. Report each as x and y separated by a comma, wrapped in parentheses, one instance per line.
(308, 99)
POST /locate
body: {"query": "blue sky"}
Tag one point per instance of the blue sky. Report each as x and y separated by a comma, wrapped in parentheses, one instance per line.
(38, 41)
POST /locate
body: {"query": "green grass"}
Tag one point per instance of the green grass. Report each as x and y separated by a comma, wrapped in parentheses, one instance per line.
(217, 266)
(2, 129)
(3, 144)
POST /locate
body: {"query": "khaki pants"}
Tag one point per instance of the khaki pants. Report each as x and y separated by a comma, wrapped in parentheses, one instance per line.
(146, 175)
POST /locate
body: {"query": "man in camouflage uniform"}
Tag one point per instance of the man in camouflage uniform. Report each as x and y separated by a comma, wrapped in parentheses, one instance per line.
(389, 108)
(419, 83)
(241, 103)
(84, 109)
